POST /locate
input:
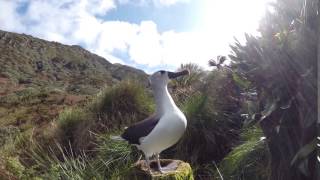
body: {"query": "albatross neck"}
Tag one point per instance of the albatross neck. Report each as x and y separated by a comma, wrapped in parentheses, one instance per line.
(164, 101)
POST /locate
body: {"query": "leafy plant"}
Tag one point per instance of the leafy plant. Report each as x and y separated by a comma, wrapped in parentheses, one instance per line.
(184, 87)
(214, 122)
(249, 159)
(281, 68)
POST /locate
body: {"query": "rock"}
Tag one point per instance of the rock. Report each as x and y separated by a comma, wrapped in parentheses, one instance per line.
(180, 170)
(39, 66)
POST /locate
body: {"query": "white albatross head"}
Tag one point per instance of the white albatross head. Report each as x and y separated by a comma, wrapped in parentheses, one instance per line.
(162, 78)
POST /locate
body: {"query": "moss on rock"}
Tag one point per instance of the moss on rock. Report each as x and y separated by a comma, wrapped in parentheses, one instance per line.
(183, 171)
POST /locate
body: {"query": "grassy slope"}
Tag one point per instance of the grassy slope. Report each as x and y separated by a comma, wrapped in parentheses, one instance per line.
(38, 79)
(32, 100)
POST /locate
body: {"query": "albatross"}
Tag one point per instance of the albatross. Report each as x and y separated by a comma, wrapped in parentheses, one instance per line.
(162, 129)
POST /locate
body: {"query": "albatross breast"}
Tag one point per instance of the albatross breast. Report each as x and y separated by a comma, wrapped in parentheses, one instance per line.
(166, 133)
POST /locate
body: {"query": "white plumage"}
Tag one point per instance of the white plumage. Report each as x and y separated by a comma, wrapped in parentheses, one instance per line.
(164, 128)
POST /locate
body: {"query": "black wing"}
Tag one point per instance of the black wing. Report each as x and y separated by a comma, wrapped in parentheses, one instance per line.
(141, 129)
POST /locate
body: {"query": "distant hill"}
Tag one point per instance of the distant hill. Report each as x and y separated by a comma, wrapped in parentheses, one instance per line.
(38, 78)
(30, 61)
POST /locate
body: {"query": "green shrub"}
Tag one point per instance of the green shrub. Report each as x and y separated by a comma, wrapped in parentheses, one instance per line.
(50, 164)
(213, 122)
(184, 87)
(9, 100)
(14, 166)
(281, 66)
(125, 98)
(249, 160)
(68, 122)
(114, 158)
(113, 108)
(29, 95)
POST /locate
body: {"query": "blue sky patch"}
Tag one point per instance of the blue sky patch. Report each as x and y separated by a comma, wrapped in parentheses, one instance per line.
(178, 17)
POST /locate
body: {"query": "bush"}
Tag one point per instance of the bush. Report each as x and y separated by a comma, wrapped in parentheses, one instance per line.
(214, 122)
(113, 108)
(125, 98)
(112, 160)
(68, 122)
(281, 66)
(184, 87)
(118, 106)
(14, 166)
(27, 96)
(249, 160)
(52, 165)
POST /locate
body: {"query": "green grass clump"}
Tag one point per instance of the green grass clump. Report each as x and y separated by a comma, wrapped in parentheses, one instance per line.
(14, 166)
(52, 165)
(113, 108)
(114, 158)
(214, 122)
(248, 160)
(124, 99)
(9, 100)
(213, 119)
(7, 134)
(26, 96)
(84, 150)
(68, 118)
(68, 122)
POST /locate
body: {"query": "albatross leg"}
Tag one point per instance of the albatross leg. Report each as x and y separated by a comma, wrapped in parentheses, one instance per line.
(168, 168)
(138, 159)
(158, 162)
(148, 164)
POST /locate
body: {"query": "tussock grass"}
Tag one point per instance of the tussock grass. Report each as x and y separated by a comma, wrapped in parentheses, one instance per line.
(68, 122)
(112, 160)
(249, 160)
(125, 98)
(213, 122)
(27, 96)
(47, 164)
(113, 108)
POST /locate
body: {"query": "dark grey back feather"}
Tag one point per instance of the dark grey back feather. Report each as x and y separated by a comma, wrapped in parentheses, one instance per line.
(141, 129)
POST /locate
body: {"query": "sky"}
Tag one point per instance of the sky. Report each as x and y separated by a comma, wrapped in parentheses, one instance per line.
(146, 34)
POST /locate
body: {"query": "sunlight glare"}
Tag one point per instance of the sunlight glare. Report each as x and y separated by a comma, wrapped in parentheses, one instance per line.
(229, 18)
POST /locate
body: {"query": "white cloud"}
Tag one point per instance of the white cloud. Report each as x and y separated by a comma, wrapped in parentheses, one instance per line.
(116, 35)
(157, 3)
(99, 7)
(169, 2)
(9, 18)
(145, 47)
(76, 22)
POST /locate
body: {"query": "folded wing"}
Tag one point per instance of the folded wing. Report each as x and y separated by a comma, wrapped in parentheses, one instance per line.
(141, 129)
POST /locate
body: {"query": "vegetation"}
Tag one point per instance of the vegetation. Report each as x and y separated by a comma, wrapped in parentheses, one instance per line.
(249, 159)
(214, 121)
(281, 65)
(254, 118)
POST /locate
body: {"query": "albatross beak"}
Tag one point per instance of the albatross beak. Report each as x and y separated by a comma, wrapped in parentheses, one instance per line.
(173, 75)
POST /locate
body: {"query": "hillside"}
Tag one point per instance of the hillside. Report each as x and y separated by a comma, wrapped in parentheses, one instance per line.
(39, 78)
(255, 118)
